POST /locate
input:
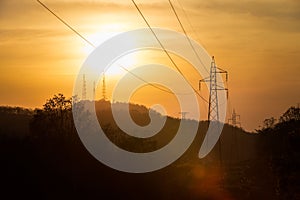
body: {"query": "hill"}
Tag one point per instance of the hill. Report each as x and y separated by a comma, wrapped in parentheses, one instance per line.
(42, 155)
(14, 121)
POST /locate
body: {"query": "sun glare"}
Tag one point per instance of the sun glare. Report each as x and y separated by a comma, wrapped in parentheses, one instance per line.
(125, 61)
(96, 39)
(102, 34)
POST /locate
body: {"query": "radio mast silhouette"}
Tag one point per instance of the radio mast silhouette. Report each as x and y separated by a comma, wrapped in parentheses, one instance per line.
(103, 87)
(94, 89)
(213, 104)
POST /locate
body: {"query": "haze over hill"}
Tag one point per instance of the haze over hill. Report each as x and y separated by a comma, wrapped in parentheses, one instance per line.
(43, 156)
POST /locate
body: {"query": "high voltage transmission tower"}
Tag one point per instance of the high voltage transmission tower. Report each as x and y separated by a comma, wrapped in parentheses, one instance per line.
(235, 119)
(213, 104)
(183, 114)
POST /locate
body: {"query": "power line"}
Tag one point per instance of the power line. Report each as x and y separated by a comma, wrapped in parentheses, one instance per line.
(65, 23)
(90, 43)
(188, 20)
(187, 37)
(167, 53)
(151, 84)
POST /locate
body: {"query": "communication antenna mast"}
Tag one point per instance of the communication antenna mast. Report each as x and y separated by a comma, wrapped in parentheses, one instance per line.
(83, 88)
(94, 90)
(213, 105)
(103, 87)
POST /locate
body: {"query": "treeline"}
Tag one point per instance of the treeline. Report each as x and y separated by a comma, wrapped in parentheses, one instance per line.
(50, 162)
(280, 148)
(14, 122)
(282, 136)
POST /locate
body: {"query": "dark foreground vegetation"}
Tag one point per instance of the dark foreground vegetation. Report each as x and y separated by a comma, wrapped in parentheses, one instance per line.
(42, 157)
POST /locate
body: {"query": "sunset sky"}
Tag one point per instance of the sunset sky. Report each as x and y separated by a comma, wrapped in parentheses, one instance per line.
(257, 42)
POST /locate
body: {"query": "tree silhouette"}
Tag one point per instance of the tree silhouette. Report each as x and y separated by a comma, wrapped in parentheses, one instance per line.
(55, 119)
(269, 123)
(282, 141)
(292, 113)
(58, 103)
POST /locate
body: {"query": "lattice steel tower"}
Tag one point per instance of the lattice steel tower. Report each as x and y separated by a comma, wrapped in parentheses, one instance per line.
(183, 114)
(213, 106)
(235, 119)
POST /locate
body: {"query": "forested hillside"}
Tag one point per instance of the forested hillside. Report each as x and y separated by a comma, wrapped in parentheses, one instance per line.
(42, 157)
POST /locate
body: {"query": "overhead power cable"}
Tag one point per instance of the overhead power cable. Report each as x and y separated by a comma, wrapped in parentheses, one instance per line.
(167, 53)
(187, 37)
(65, 23)
(151, 84)
(91, 44)
(190, 23)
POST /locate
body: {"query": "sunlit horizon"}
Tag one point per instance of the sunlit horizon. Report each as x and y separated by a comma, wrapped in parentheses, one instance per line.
(257, 43)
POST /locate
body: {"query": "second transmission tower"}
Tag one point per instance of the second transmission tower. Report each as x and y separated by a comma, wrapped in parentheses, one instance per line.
(235, 119)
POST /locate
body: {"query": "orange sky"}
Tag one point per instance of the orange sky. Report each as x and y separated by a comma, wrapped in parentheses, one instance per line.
(258, 42)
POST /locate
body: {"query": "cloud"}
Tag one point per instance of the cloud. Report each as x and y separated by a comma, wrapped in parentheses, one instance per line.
(289, 9)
